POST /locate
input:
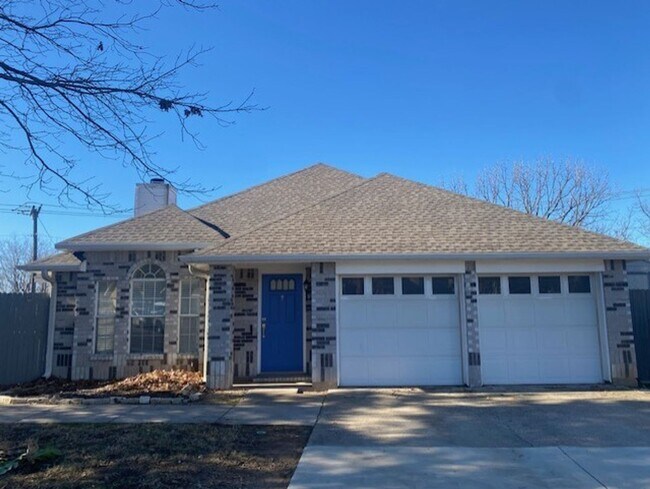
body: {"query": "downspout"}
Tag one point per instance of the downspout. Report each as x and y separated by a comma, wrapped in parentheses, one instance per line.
(206, 276)
(49, 348)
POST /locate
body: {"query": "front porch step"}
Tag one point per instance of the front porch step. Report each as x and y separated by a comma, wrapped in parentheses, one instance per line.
(282, 378)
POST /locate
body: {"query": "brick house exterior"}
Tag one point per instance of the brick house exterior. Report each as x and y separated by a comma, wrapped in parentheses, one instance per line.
(297, 225)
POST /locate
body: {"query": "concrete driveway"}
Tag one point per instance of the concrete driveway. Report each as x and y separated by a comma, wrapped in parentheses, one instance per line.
(414, 438)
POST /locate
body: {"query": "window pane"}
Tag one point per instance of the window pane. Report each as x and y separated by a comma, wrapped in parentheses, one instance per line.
(549, 285)
(443, 285)
(352, 286)
(189, 335)
(489, 285)
(579, 284)
(147, 335)
(105, 330)
(413, 285)
(383, 285)
(106, 295)
(519, 285)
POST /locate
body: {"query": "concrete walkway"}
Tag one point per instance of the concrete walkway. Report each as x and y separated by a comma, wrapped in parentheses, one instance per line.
(390, 438)
(258, 407)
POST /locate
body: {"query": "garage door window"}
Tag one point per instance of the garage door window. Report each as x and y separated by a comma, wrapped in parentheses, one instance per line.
(579, 284)
(519, 285)
(489, 285)
(443, 285)
(383, 286)
(549, 285)
(412, 285)
(352, 286)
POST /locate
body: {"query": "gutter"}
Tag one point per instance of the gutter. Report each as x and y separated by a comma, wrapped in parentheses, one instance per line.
(225, 259)
(61, 267)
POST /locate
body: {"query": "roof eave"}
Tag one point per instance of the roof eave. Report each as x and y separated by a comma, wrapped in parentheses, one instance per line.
(126, 246)
(55, 267)
(603, 255)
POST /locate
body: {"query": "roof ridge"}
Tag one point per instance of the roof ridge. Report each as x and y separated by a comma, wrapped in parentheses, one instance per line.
(286, 216)
(480, 201)
(276, 179)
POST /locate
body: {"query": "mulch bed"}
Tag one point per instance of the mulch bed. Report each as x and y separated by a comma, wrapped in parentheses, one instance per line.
(156, 455)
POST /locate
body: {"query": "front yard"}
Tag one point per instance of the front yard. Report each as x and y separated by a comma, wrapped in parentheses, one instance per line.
(156, 455)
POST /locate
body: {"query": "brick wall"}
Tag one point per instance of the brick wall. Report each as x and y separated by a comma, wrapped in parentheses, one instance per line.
(470, 285)
(245, 315)
(620, 334)
(75, 321)
(323, 325)
(219, 347)
(64, 322)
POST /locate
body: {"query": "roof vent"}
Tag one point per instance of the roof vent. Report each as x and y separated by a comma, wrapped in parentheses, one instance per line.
(152, 196)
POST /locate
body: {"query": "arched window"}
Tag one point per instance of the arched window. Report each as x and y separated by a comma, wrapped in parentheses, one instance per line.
(148, 294)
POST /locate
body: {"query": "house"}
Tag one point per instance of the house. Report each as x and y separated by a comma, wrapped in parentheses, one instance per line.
(352, 281)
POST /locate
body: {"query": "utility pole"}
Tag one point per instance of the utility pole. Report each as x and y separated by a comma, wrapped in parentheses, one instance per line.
(34, 215)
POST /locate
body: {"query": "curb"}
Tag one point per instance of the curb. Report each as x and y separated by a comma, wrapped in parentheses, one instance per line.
(17, 401)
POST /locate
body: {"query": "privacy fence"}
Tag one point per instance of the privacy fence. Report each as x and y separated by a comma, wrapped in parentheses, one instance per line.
(640, 302)
(23, 336)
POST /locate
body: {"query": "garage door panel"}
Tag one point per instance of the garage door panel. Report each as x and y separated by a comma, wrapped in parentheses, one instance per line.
(493, 339)
(381, 314)
(495, 370)
(519, 313)
(522, 340)
(555, 370)
(356, 369)
(353, 313)
(417, 341)
(381, 342)
(445, 342)
(492, 313)
(582, 340)
(383, 371)
(552, 340)
(581, 311)
(442, 313)
(396, 340)
(431, 370)
(542, 339)
(549, 312)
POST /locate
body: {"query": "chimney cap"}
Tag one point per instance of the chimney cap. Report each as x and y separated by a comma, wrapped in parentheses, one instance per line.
(157, 180)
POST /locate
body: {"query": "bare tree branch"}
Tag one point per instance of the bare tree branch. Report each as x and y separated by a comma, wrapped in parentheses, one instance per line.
(71, 77)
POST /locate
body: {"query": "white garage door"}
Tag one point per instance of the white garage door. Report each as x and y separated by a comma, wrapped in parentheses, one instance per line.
(538, 330)
(399, 331)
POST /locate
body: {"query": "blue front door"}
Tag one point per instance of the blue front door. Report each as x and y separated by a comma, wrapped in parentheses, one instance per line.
(282, 323)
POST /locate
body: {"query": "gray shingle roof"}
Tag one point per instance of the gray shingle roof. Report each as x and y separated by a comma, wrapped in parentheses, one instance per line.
(59, 261)
(388, 215)
(247, 210)
(169, 227)
(209, 224)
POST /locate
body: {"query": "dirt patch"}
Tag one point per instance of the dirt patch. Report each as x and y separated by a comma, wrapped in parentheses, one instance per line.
(156, 383)
(158, 455)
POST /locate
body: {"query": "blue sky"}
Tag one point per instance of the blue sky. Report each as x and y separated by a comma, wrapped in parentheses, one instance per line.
(426, 90)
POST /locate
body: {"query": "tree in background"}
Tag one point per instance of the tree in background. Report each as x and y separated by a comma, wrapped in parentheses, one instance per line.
(73, 76)
(15, 251)
(566, 191)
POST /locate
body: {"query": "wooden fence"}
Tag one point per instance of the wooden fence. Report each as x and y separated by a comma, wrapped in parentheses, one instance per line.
(23, 336)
